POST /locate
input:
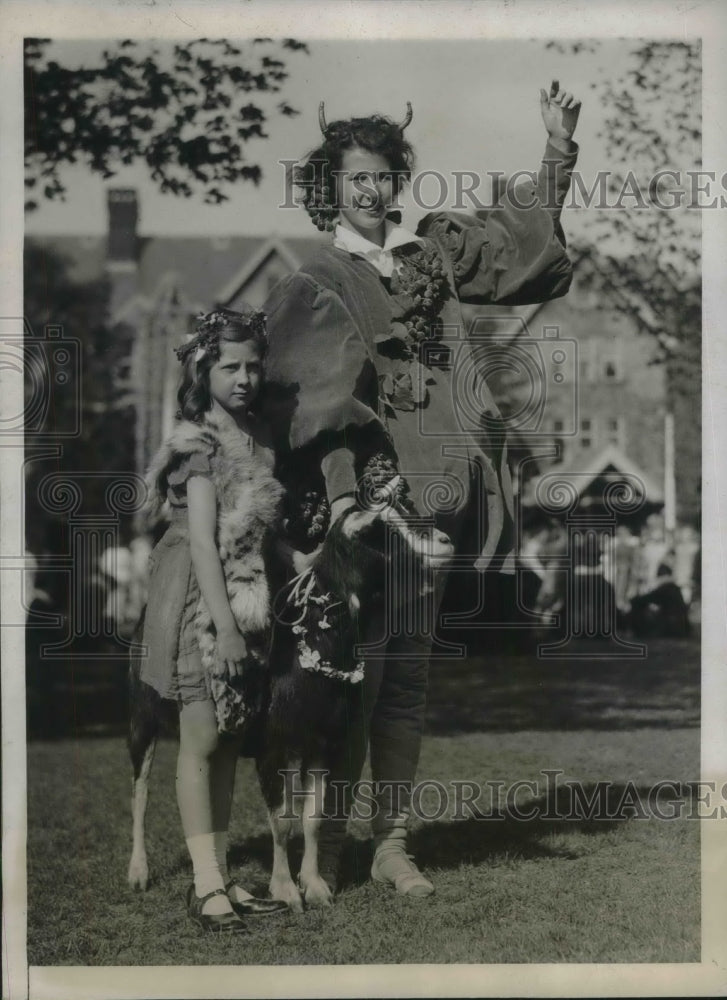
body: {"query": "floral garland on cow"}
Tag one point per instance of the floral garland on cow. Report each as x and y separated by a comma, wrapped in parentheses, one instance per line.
(306, 523)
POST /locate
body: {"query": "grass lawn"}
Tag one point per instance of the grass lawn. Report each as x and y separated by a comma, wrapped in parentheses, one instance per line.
(507, 890)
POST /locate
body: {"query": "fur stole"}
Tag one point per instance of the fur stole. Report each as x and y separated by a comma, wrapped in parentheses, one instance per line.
(248, 508)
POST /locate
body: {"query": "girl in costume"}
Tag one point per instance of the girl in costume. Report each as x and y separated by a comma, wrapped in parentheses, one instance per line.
(208, 616)
(367, 354)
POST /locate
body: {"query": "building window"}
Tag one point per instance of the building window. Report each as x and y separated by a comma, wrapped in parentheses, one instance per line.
(610, 362)
(599, 361)
(586, 433)
(558, 427)
(591, 360)
(614, 431)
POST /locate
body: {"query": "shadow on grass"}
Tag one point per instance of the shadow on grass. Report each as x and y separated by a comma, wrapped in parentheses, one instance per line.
(490, 691)
(510, 692)
(528, 832)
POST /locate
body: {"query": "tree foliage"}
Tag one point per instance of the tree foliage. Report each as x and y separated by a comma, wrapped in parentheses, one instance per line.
(645, 257)
(54, 296)
(187, 111)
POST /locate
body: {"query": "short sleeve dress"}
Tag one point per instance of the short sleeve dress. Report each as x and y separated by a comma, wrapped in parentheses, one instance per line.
(172, 664)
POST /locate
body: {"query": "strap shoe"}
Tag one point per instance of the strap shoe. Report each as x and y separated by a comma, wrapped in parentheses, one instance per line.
(253, 907)
(227, 922)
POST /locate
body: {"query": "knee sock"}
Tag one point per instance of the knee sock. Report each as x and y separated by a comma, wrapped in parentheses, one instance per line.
(236, 893)
(389, 831)
(207, 874)
(392, 864)
(391, 837)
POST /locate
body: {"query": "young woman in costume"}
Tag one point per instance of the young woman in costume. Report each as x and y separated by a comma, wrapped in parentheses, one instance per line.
(208, 615)
(366, 354)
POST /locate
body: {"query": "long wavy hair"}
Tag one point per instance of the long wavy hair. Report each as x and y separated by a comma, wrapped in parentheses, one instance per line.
(315, 175)
(194, 396)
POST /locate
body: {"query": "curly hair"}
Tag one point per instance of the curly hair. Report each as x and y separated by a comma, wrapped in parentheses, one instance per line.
(316, 174)
(200, 353)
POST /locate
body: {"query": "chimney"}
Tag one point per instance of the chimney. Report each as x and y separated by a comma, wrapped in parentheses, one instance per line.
(123, 218)
(122, 253)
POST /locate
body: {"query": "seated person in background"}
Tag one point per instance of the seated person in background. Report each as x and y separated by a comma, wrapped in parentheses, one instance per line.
(662, 611)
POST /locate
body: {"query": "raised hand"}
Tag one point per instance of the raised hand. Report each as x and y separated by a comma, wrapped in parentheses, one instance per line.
(560, 110)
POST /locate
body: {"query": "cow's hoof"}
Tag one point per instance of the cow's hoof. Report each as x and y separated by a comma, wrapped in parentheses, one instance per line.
(287, 892)
(138, 875)
(316, 892)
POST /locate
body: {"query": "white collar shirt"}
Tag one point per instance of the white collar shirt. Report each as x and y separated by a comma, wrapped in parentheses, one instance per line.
(382, 258)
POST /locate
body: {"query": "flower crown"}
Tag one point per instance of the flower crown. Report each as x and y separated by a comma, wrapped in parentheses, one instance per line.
(210, 327)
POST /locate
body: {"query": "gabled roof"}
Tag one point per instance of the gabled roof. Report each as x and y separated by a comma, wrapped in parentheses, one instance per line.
(205, 265)
(584, 468)
(209, 269)
(271, 247)
(201, 263)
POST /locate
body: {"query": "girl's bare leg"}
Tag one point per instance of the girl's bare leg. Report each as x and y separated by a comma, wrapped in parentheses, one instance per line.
(198, 746)
(224, 766)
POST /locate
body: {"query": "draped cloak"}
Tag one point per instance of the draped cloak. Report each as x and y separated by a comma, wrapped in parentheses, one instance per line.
(330, 326)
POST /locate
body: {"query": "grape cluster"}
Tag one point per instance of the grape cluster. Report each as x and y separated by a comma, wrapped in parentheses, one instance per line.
(379, 470)
(317, 200)
(423, 278)
(309, 517)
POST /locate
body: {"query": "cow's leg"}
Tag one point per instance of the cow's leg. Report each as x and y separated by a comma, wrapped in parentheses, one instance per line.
(138, 874)
(144, 711)
(315, 889)
(282, 885)
(280, 816)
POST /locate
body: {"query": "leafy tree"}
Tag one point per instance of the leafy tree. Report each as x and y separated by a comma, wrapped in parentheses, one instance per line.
(646, 259)
(52, 296)
(186, 111)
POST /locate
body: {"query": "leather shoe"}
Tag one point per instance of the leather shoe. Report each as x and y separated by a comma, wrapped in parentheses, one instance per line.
(393, 866)
(253, 907)
(226, 922)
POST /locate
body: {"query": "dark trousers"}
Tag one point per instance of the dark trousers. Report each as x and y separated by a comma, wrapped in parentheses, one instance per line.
(386, 715)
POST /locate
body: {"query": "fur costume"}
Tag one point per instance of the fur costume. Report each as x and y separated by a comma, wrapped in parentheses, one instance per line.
(248, 507)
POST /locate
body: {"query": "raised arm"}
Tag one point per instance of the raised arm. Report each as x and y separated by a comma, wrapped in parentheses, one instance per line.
(514, 254)
(559, 110)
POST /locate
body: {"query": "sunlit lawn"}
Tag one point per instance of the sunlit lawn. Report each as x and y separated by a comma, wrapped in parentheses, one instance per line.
(546, 890)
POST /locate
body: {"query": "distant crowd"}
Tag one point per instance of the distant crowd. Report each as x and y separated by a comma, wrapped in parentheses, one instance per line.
(650, 577)
(652, 580)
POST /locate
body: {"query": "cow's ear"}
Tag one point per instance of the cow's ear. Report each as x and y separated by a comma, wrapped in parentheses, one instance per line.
(354, 605)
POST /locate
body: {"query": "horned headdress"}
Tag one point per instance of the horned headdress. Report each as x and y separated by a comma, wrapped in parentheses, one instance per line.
(401, 126)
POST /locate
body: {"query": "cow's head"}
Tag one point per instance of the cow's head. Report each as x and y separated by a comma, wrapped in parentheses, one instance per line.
(384, 553)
